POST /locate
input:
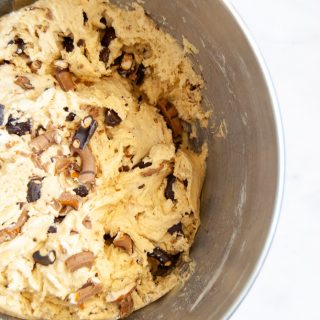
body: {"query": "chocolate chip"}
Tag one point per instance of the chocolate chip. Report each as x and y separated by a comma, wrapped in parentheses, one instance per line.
(104, 55)
(71, 116)
(46, 260)
(168, 192)
(161, 262)
(34, 190)
(18, 128)
(142, 165)
(117, 61)
(103, 20)
(142, 186)
(140, 75)
(20, 45)
(66, 109)
(185, 182)
(85, 17)
(81, 43)
(193, 87)
(124, 169)
(68, 44)
(81, 191)
(1, 114)
(59, 219)
(52, 229)
(112, 119)
(177, 228)
(108, 36)
(108, 239)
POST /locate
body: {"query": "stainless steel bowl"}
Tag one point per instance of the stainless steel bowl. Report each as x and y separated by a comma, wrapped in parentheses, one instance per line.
(243, 188)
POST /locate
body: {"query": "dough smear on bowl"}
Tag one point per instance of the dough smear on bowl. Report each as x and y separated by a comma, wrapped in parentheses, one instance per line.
(100, 191)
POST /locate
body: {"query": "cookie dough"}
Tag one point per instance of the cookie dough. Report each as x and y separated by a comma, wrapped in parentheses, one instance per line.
(99, 189)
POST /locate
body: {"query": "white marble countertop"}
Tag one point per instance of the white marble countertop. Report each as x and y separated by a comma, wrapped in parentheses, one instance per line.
(288, 34)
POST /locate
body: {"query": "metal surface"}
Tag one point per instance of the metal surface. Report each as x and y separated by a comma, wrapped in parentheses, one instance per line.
(243, 188)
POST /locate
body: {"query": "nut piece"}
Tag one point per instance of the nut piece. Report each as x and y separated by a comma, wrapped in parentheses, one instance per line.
(13, 230)
(46, 260)
(80, 260)
(87, 291)
(87, 222)
(123, 241)
(62, 164)
(35, 66)
(64, 78)
(88, 165)
(23, 82)
(127, 61)
(126, 305)
(44, 141)
(68, 199)
(171, 116)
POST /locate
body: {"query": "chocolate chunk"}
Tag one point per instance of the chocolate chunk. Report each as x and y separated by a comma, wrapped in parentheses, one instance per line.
(140, 75)
(163, 257)
(168, 192)
(103, 20)
(177, 228)
(185, 182)
(66, 109)
(108, 239)
(46, 260)
(81, 191)
(108, 36)
(70, 117)
(20, 45)
(34, 190)
(1, 114)
(59, 219)
(112, 119)
(68, 44)
(142, 186)
(85, 17)
(142, 165)
(18, 128)
(117, 61)
(85, 132)
(104, 55)
(52, 229)
(81, 43)
(161, 262)
(124, 169)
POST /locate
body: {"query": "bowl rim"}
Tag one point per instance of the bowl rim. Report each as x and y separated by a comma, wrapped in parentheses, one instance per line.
(280, 155)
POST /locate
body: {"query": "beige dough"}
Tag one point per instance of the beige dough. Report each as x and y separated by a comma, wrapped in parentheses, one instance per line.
(119, 247)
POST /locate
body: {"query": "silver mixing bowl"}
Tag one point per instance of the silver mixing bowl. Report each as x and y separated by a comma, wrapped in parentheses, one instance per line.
(243, 188)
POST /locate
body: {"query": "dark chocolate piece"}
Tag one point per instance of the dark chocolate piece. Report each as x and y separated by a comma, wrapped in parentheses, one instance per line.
(81, 191)
(108, 36)
(34, 190)
(85, 132)
(46, 260)
(168, 192)
(18, 128)
(112, 119)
